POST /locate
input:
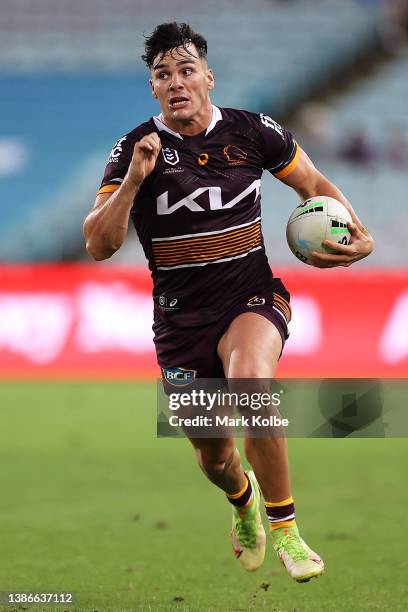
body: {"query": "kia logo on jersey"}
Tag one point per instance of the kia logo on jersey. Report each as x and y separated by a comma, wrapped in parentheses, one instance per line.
(215, 200)
(170, 156)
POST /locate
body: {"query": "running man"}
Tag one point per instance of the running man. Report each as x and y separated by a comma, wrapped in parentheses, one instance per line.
(189, 179)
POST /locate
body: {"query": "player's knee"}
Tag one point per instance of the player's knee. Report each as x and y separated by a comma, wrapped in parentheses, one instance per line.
(250, 369)
(250, 377)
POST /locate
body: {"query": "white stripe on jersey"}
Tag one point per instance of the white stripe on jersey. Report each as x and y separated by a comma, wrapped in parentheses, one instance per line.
(229, 229)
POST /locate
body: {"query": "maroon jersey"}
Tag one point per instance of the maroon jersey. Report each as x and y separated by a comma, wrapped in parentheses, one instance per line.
(198, 214)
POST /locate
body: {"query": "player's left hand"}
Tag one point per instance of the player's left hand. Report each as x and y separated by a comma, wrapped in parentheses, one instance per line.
(361, 244)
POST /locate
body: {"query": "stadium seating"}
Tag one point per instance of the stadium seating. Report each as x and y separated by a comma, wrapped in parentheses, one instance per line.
(379, 197)
(376, 105)
(70, 73)
(263, 52)
(65, 127)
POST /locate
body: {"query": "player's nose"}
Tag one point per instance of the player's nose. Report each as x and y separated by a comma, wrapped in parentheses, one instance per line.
(175, 83)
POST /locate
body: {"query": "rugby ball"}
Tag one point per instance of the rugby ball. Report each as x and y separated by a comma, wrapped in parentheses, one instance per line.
(317, 219)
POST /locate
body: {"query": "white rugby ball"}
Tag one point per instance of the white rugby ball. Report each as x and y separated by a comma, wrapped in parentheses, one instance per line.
(317, 219)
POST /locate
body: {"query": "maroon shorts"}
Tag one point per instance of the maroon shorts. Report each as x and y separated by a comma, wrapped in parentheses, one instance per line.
(185, 354)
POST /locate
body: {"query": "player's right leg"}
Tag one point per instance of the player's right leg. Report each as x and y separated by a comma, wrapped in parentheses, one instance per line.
(220, 461)
(193, 353)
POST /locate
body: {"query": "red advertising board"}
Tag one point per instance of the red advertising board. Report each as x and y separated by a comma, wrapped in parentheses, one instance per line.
(78, 320)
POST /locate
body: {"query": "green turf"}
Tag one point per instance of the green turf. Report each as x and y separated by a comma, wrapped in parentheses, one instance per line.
(92, 502)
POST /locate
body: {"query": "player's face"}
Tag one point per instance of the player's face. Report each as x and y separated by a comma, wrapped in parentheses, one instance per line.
(181, 82)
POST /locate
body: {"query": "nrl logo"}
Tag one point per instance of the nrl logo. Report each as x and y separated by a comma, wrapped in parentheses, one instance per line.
(170, 156)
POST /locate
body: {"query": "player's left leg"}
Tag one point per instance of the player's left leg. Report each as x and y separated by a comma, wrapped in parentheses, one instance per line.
(250, 349)
(220, 461)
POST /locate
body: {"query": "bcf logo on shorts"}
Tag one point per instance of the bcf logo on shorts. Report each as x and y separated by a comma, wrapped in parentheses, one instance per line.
(178, 376)
(256, 301)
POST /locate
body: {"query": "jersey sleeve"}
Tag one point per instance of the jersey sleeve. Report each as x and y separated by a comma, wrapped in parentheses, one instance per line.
(281, 151)
(117, 166)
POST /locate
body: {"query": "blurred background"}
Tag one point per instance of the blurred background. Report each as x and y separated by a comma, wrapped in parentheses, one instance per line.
(91, 500)
(72, 81)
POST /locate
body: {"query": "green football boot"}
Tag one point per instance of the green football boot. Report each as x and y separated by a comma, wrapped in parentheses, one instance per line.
(248, 534)
(300, 561)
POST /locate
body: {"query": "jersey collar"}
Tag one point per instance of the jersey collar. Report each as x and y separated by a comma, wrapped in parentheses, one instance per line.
(216, 116)
(162, 127)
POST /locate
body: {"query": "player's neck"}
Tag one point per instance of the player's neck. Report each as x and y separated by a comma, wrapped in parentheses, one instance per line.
(192, 126)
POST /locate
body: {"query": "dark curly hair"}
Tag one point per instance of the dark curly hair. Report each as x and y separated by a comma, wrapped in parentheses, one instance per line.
(168, 36)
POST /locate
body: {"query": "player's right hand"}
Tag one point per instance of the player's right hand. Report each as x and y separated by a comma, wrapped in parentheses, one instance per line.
(144, 158)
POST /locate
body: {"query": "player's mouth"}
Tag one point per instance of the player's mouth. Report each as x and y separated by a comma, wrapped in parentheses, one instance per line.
(178, 102)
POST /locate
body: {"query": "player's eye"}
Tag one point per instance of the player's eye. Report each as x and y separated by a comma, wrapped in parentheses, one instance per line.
(162, 75)
(187, 71)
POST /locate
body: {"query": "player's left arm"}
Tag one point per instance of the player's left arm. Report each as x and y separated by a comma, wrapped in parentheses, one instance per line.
(307, 181)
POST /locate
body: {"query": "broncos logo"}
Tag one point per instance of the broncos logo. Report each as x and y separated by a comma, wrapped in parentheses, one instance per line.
(235, 155)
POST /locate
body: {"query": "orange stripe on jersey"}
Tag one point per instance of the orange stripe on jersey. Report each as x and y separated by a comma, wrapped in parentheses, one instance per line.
(283, 305)
(278, 298)
(198, 256)
(286, 313)
(209, 248)
(215, 241)
(202, 240)
(291, 165)
(108, 189)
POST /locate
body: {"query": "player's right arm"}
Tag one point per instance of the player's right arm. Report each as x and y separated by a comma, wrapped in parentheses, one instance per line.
(308, 182)
(106, 225)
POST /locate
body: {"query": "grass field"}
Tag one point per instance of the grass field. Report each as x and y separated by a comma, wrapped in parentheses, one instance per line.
(92, 502)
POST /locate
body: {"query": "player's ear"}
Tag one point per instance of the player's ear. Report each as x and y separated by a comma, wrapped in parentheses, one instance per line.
(210, 79)
(152, 88)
